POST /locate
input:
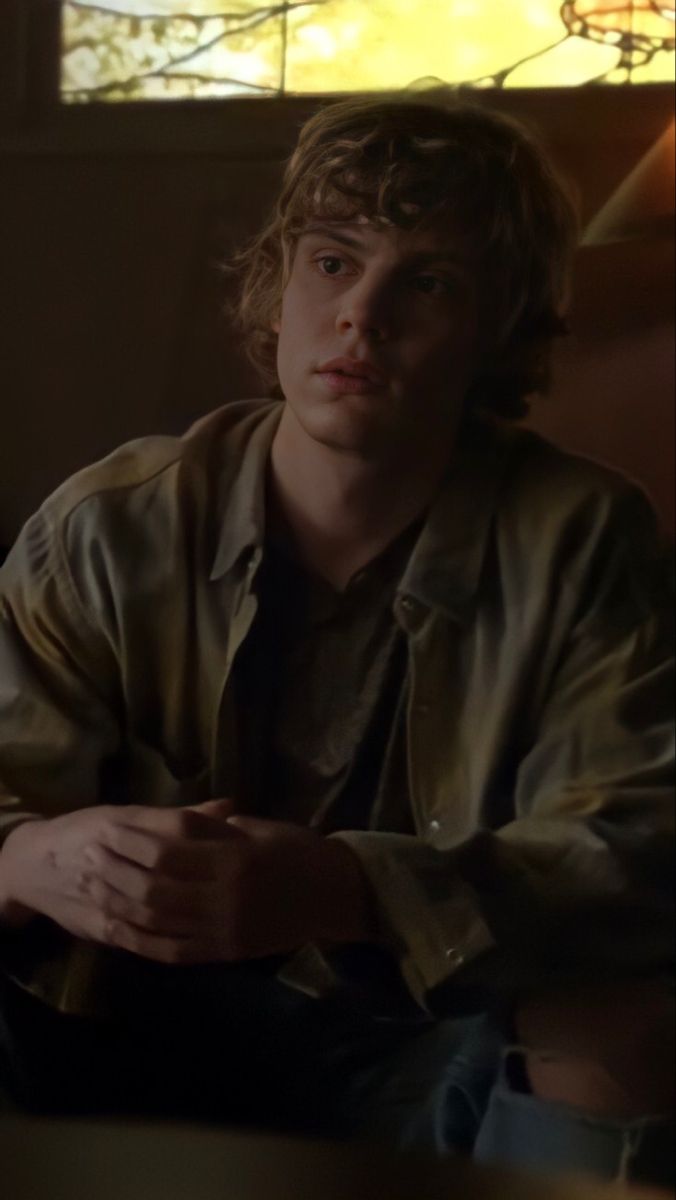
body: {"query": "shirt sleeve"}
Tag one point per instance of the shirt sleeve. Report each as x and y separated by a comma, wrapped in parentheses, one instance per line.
(57, 722)
(579, 883)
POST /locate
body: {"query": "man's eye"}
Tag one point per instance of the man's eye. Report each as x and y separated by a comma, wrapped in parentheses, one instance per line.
(431, 285)
(330, 264)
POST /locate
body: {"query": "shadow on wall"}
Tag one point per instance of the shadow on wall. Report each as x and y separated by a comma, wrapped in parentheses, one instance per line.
(614, 378)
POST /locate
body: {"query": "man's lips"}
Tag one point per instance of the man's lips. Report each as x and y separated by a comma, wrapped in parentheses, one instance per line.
(357, 367)
(351, 373)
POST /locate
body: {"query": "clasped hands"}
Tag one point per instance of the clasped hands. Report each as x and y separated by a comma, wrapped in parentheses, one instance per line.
(189, 885)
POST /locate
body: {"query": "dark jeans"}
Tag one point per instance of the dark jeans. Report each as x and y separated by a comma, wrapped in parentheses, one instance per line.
(232, 1046)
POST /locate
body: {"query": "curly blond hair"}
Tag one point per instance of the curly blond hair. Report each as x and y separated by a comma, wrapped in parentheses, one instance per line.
(430, 162)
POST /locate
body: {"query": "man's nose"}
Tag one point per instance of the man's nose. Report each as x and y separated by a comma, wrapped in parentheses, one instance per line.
(366, 309)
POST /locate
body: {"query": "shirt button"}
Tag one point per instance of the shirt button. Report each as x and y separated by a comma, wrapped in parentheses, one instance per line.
(455, 958)
(412, 611)
(434, 827)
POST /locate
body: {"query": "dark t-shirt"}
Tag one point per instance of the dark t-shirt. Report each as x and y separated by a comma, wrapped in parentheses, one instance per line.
(320, 694)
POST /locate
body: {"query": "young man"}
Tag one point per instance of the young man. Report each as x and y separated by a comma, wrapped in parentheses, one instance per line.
(334, 736)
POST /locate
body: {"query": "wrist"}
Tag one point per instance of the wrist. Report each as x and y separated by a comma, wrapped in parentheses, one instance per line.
(350, 904)
(13, 911)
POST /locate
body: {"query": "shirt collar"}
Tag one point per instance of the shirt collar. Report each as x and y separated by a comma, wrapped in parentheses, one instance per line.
(241, 501)
(444, 568)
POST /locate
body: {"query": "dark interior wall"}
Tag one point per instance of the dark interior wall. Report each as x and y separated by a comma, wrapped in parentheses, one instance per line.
(112, 226)
(613, 393)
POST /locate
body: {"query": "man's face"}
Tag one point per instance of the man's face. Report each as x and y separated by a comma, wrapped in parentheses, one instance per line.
(378, 336)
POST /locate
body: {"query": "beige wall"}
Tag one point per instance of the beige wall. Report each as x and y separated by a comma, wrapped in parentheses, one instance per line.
(110, 235)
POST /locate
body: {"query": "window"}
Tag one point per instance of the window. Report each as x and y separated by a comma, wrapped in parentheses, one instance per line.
(126, 50)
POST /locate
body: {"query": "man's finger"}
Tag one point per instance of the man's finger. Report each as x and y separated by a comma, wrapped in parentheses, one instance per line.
(83, 919)
(194, 821)
(262, 829)
(156, 892)
(173, 950)
(170, 921)
(218, 810)
(181, 859)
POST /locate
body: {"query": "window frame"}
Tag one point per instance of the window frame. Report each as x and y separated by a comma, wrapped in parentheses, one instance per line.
(33, 119)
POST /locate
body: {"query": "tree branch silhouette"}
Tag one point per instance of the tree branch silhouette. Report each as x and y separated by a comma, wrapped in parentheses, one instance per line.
(198, 18)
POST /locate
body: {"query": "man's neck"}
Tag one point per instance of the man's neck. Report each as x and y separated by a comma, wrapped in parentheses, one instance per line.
(336, 510)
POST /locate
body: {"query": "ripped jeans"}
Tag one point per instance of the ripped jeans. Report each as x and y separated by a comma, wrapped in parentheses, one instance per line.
(454, 1088)
(231, 1046)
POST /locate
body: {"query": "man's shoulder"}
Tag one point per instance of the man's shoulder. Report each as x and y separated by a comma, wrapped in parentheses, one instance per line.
(536, 461)
(562, 518)
(547, 486)
(210, 449)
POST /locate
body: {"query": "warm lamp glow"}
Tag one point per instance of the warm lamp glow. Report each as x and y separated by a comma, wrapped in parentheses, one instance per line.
(643, 204)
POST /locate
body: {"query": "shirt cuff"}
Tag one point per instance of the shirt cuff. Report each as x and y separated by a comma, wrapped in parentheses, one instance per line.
(430, 916)
(10, 820)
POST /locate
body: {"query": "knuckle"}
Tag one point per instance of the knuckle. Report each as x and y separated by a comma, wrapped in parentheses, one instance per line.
(95, 855)
(111, 904)
(108, 929)
(84, 883)
(98, 893)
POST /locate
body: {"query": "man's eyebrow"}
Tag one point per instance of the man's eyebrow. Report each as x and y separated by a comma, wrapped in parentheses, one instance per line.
(336, 233)
(339, 233)
(453, 258)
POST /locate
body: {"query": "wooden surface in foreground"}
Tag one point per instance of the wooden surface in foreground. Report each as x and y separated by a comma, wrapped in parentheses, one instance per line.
(91, 1160)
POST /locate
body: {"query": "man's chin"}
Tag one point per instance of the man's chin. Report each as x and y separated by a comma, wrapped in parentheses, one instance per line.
(349, 428)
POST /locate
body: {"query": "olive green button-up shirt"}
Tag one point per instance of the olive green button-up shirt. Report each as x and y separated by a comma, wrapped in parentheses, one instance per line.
(539, 738)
